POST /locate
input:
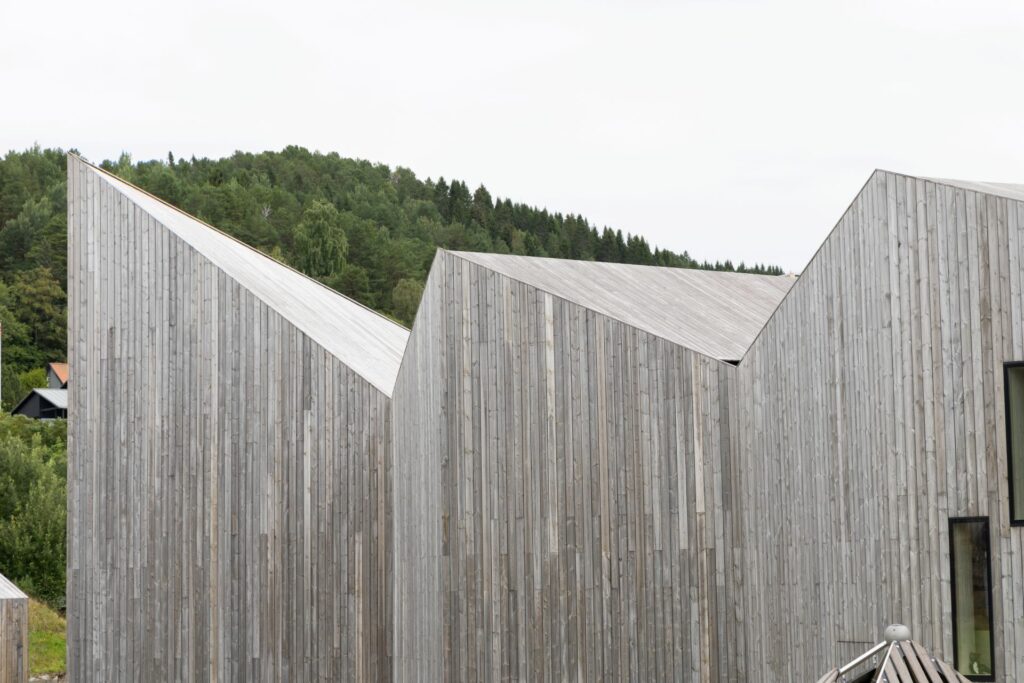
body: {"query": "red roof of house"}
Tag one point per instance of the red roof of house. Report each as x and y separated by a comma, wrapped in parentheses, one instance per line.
(61, 370)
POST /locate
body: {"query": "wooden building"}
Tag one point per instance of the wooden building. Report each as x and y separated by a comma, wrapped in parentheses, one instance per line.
(43, 404)
(569, 470)
(57, 375)
(873, 456)
(228, 456)
(13, 633)
(631, 473)
(564, 445)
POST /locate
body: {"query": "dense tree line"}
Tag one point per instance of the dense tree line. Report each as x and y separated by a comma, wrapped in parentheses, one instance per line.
(365, 229)
(33, 506)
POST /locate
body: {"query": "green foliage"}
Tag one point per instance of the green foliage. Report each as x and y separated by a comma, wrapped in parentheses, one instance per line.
(361, 228)
(10, 393)
(33, 506)
(33, 379)
(320, 241)
(406, 299)
(364, 229)
(47, 644)
(39, 302)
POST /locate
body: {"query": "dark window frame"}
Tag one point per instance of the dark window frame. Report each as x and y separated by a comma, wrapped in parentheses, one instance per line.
(1009, 436)
(953, 521)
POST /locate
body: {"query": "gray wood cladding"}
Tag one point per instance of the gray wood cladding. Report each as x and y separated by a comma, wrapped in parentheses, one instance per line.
(228, 491)
(871, 411)
(563, 487)
(562, 505)
(714, 313)
(13, 633)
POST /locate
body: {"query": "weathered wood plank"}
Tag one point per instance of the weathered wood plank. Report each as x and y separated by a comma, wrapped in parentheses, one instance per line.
(219, 457)
(13, 633)
(605, 514)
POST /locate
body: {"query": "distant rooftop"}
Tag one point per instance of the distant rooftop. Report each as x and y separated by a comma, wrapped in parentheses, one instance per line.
(58, 398)
(60, 370)
(365, 341)
(712, 312)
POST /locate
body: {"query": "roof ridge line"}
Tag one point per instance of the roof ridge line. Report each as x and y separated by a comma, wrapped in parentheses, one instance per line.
(387, 392)
(587, 307)
(703, 271)
(233, 238)
(937, 181)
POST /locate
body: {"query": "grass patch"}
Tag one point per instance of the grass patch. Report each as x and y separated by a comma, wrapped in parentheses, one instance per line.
(47, 639)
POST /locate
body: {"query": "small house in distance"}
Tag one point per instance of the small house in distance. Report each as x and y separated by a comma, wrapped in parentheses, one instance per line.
(57, 375)
(44, 404)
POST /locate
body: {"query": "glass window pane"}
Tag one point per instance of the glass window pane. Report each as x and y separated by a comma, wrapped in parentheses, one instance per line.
(1015, 428)
(972, 619)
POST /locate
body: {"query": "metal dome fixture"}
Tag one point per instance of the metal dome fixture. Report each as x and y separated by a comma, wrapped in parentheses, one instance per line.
(896, 632)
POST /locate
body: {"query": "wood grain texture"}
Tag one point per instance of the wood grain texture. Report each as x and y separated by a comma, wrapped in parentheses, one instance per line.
(569, 482)
(714, 313)
(365, 341)
(13, 633)
(872, 412)
(901, 662)
(228, 491)
(560, 488)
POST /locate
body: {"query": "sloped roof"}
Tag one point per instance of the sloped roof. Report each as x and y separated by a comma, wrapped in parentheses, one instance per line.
(715, 313)
(61, 371)
(1008, 190)
(8, 591)
(58, 398)
(365, 341)
(896, 662)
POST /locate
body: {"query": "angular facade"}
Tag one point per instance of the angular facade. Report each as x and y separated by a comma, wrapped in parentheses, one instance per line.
(632, 473)
(563, 478)
(229, 449)
(873, 409)
(569, 470)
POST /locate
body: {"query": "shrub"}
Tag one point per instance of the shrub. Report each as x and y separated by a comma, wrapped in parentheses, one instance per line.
(33, 506)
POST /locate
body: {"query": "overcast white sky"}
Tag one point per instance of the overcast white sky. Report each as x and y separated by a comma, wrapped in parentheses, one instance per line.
(728, 128)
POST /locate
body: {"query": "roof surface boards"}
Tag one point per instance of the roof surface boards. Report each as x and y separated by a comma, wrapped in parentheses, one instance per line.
(58, 398)
(1008, 190)
(714, 313)
(905, 662)
(9, 591)
(365, 341)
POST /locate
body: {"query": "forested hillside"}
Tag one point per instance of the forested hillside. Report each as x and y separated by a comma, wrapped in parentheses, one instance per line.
(364, 229)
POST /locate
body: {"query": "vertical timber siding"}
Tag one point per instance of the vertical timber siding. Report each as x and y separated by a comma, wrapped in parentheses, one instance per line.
(13, 633)
(228, 491)
(871, 412)
(562, 494)
(574, 497)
